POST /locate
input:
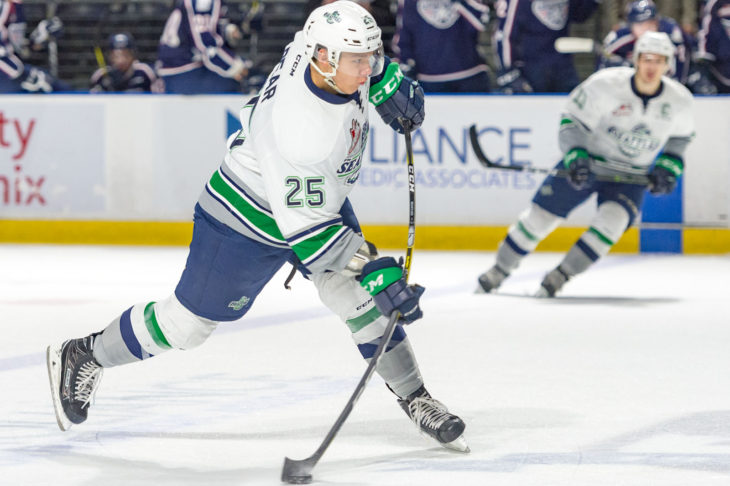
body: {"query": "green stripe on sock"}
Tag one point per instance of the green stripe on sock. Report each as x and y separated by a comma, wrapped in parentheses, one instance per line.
(529, 235)
(600, 236)
(361, 321)
(565, 121)
(150, 321)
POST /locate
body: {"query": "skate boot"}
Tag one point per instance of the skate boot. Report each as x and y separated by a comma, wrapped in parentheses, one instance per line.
(552, 283)
(491, 279)
(74, 375)
(434, 420)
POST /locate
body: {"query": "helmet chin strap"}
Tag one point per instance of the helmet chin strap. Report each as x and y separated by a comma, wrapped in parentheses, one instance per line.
(328, 77)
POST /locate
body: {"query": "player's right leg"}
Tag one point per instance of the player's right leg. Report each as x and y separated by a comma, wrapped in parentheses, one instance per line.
(223, 275)
(533, 225)
(75, 367)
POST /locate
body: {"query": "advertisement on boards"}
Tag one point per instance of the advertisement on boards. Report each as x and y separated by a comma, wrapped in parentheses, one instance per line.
(51, 158)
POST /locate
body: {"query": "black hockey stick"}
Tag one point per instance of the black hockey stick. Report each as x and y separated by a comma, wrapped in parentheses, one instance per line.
(640, 180)
(300, 471)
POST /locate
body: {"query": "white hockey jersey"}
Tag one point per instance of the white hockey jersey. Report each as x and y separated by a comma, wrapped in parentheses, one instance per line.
(625, 131)
(288, 171)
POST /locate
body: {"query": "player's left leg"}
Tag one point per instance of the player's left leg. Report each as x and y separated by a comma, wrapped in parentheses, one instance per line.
(397, 366)
(618, 205)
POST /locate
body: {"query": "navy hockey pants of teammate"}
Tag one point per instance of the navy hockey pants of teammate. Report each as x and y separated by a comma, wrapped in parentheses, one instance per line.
(224, 273)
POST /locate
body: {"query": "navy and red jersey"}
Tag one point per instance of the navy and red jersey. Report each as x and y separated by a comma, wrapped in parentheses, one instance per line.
(139, 78)
(12, 24)
(426, 28)
(714, 41)
(528, 29)
(192, 38)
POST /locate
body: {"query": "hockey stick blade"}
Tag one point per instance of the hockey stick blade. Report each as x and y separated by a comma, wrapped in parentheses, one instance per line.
(482, 157)
(299, 471)
(575, 45)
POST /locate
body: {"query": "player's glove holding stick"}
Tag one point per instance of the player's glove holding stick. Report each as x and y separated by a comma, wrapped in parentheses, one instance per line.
(578, 164)
(383, 279)
(398, 97)
(663, 176)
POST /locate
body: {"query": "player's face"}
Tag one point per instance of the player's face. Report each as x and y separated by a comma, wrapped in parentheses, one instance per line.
(121, 59)
(640, 28)
(651, 67)
(354, 69)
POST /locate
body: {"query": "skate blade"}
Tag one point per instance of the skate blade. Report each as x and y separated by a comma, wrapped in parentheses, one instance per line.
(53, 362)
(542, 293)
(459, 445)
(481, 290)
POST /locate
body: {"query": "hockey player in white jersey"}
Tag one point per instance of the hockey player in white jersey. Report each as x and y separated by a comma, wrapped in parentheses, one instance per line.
(621, 121)
(281, 196)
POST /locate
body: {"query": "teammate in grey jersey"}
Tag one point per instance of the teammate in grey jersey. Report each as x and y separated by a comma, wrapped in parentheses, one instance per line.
(620, 122)
(281, 196)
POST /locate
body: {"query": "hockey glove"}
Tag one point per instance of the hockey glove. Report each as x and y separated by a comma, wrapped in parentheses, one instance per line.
(396, 96)
(698, 80)
(383, 279)
(512, 81)
(663, 176)
(34, 80)
(578, 163)
(46, 30)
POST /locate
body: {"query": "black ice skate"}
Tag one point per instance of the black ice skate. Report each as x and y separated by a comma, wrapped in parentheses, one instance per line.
(74, 375)
(434, 419)
(491, 279)
(552, 283)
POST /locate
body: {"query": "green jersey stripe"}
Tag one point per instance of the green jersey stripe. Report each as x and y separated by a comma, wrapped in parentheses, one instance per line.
(150, 321)
(309, 248)
(256, 219)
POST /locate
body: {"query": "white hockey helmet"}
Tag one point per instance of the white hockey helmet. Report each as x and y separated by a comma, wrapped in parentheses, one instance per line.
(654, 43)
(343, 26)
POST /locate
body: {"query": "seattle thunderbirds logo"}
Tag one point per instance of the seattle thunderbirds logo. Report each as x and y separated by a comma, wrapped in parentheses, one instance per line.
(333, 17)
(635, 142)
(239, 304)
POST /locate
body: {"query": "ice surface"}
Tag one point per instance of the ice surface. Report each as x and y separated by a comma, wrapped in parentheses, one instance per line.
(622, 380)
